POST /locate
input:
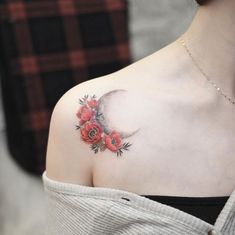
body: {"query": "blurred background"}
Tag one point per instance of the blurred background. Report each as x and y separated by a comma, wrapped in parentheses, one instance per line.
(151, 24)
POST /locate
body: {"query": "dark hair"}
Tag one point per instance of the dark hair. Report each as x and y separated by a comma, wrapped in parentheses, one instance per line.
(201, 2)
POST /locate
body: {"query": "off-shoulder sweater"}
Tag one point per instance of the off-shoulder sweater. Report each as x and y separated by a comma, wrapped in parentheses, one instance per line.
(74, 209)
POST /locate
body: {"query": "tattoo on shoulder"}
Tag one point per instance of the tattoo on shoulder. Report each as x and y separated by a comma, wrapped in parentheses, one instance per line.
(94, 126)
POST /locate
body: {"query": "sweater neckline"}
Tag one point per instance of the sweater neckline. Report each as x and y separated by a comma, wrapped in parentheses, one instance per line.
(128, 197)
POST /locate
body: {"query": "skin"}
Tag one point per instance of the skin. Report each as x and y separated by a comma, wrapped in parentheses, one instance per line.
(190, 145)
(186, 136)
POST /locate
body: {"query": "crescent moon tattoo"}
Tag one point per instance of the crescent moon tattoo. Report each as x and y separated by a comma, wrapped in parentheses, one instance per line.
(95, 127)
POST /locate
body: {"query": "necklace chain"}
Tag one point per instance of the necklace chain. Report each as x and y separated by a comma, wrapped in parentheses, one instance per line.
(204, 74)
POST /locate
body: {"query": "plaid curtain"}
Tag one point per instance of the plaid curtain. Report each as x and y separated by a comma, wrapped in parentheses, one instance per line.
(47, 47)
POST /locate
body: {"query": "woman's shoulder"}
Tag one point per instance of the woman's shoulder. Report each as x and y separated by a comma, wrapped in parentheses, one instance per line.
(109, 127)
(99, 118)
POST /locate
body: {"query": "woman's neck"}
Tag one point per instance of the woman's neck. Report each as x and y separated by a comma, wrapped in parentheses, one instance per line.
(211, 39)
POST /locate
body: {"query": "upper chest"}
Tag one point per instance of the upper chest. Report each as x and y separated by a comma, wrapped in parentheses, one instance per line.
(180, 148)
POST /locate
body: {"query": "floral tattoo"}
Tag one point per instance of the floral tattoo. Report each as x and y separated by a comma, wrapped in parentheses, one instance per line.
(94, 129)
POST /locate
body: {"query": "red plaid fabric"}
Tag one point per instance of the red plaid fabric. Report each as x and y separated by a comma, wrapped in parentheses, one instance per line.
(47, 47)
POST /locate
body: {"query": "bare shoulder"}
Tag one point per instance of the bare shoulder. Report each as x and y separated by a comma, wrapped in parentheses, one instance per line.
(107, 118)
(93, 118)
(98, 119)
(68, 158)
(134, 122)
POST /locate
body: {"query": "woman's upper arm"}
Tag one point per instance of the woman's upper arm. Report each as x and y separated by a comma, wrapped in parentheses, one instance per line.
(68, 158)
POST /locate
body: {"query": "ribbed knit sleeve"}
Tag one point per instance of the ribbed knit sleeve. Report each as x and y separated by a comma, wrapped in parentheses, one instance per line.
(77, 209)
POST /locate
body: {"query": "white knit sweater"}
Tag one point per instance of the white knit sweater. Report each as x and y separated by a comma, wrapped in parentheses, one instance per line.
(74, 209)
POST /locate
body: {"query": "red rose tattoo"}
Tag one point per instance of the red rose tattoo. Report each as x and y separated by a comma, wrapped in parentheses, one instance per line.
(94, 129)
(91, 132)
(85, 114)
(113, 141)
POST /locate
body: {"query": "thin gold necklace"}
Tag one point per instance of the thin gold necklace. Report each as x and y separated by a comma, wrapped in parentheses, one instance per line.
(204, 74)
